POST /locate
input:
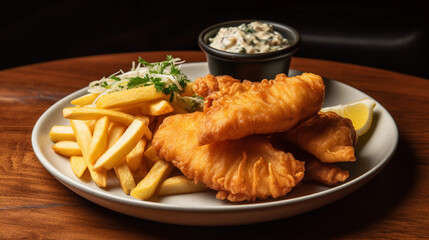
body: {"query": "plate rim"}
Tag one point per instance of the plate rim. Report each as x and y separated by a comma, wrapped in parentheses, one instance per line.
(64, 179)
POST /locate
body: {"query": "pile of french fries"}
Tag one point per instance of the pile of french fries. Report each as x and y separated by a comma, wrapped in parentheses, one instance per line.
(115, 133)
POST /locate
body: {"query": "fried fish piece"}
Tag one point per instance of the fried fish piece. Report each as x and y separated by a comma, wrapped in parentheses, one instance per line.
(211, 88)
(240, 170)
(327, 174)
(326, 135)
(205, 86)
(268, 106)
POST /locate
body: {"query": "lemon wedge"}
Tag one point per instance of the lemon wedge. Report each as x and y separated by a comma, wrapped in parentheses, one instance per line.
(359, 112)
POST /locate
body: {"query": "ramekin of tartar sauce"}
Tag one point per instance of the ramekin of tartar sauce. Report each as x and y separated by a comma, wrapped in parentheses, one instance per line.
(249, 49)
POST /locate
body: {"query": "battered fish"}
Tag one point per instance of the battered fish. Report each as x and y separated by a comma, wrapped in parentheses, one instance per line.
(327, 174)
(240, 170)
(327, 136)
(268, 106)
(212, 88)
(205, 86)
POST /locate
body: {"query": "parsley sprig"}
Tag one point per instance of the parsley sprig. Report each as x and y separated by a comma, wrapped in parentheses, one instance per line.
(166, 67)
(165, 76)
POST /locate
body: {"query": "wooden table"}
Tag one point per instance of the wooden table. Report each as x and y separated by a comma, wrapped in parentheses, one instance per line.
(33, 204)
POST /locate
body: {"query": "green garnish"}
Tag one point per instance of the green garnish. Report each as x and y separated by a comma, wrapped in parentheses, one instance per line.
(144, 62)
(115, 78)
(165, 76)
(104, 84)
(137, 81)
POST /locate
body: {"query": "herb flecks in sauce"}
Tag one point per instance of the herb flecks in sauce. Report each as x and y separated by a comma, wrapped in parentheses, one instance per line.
(251, 38)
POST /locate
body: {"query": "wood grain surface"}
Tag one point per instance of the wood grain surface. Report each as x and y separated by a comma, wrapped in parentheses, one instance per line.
(34, 205)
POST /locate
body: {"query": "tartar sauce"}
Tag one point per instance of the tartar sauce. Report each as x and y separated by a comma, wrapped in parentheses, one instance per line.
(251, 38)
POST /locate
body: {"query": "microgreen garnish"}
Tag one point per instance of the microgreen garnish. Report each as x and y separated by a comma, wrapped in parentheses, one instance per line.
(115, 78)
(144, 62)
(104, 84)
(165, 76)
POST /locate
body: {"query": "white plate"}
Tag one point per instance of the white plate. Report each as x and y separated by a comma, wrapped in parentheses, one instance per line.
(374, 150)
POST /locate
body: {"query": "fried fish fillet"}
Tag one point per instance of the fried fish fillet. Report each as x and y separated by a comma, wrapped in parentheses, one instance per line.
(327, 174)
(240, 170)
(205, 86)
(327, 136)
(212, 88)
(269, 106)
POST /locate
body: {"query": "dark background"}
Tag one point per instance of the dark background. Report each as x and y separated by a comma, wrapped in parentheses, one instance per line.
(385, 34)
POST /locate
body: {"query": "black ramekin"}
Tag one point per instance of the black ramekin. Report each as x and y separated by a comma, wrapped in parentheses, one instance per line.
(253, 67)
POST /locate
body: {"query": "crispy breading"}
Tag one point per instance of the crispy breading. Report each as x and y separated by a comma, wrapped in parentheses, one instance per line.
(269, 106)
(327, 136)
(212, 88)
(240, 170)
(327, 174)
(205, 86)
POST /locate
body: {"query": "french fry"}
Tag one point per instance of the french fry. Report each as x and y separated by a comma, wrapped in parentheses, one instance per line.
(67, 148)
(179, 185)
(125, 177)
(134, 158)
(83, 137)
(151, 154)
(147, 187)
(85, 99)
(156, 108)
(78, 165)
(146, 120)
(130, 97)
(115, 132)
(98, 143)
(122, 147)
(91, 124)
(87, 113)
(133, 110)
(122, 170)
(61, 133)
(141, 172)
(189, 91)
